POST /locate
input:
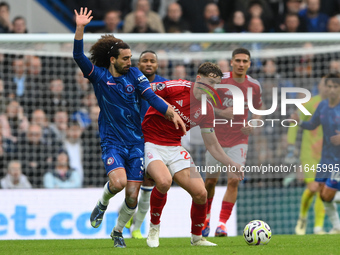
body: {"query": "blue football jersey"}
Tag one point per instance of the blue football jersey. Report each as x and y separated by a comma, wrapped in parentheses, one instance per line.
(329, 118)
(145, 104)
(119, 99)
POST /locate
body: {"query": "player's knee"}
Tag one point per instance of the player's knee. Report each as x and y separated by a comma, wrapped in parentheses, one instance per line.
(210, 182)
(117, 185)
(313, 187)
(131, 200)
(233, 183)
(326, 197)
(163, 185)
(201, 196)
(116, 188)
(132, 193)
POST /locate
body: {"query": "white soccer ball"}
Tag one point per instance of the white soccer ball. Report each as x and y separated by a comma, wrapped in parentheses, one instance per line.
(257, 232)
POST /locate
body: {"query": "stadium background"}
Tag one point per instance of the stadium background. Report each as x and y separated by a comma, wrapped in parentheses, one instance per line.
(297, 60)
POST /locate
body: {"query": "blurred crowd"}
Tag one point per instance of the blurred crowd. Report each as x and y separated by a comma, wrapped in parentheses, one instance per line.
(48, 110)
(214, 16)
(44, 119)
(199, 16)
(49, 113)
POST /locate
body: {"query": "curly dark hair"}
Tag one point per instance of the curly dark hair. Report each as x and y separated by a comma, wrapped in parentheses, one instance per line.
(106, 47)
(209, 68)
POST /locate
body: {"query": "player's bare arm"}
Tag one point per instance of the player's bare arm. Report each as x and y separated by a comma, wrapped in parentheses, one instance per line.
(212, 145)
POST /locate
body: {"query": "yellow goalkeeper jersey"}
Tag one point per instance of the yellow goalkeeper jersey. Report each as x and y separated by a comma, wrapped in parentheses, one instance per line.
(311, 145)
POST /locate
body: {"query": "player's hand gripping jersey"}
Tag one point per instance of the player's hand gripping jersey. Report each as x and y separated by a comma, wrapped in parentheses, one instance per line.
(178, 93)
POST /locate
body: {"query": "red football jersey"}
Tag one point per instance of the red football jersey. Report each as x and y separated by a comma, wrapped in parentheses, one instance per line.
(178, 93)
(227, 135)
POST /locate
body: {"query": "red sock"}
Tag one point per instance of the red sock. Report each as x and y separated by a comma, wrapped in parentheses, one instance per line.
(198, 214)
(209, 204)
(157, 202)
(225, 213)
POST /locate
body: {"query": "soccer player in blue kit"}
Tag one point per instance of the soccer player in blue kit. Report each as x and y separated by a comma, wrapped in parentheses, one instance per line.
(119, 89)
(328, 170)
(148, 65)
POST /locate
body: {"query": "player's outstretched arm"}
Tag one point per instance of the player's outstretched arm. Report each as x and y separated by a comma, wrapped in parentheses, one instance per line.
(313, 123)
(215, 149)
(82, 19)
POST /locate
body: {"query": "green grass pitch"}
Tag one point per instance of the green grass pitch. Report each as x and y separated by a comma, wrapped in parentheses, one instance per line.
(280, 244)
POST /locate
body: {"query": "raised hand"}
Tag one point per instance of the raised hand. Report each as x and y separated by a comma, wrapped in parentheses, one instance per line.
(84, 17)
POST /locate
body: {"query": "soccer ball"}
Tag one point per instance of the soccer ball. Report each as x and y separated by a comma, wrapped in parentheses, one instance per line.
(257, 232)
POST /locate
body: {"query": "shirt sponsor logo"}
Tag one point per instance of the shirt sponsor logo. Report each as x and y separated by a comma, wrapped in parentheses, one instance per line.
(228, 102)
(186, 119)
(149, 155)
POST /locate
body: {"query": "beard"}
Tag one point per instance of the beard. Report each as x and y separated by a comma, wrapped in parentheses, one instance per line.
(120, 69)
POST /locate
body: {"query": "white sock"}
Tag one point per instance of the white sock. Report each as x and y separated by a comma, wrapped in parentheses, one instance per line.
(143, 206)
(317, 229)
(154, 226)
(107, 195)
(337, 197)
(221, 223)
(125, 214)
(332, 213)
(195, 238)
